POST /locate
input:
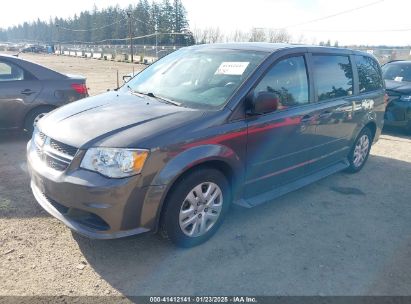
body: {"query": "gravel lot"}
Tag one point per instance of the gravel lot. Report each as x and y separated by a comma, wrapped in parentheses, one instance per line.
(345, 235)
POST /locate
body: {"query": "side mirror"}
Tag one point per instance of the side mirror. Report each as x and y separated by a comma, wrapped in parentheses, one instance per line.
(264, 102)
(126, 78)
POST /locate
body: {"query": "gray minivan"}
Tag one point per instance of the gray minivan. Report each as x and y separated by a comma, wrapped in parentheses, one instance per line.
(204, 127)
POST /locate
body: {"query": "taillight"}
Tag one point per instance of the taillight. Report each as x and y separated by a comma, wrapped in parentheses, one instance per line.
(80, 88)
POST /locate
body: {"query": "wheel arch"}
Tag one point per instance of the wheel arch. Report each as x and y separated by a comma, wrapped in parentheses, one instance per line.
(32, 110)
(369, 123)
(230, 167)
(373, 128)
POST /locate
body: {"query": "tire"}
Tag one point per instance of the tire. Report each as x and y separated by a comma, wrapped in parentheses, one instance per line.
(189, 219)
(360, 151)
(33, 116)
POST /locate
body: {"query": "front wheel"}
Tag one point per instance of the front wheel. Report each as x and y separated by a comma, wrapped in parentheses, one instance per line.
(196, 207)
(360, 151)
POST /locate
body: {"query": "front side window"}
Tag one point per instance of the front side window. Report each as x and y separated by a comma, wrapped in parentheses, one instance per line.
(369, 74)
(197, 78)
(10, 72)
(333, 76)
(288, 80)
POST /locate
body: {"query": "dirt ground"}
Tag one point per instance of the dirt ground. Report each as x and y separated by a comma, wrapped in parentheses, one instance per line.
(345, 235)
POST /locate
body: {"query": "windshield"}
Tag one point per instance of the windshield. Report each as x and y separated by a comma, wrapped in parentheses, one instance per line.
(397, 72)
(197, 78)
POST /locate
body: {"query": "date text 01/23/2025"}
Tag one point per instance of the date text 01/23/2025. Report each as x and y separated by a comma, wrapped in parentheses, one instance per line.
(203, 299)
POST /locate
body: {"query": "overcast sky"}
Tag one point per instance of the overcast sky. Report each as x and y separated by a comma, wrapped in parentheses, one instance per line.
(373, 25)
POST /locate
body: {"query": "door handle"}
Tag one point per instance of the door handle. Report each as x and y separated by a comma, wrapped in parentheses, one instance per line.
(27, 92)
(306, 118)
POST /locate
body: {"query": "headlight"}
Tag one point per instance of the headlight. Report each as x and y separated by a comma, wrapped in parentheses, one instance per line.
(405, 98)
(114, 162)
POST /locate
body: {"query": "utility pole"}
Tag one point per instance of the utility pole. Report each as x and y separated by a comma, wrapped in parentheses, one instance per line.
(156, 42)
(59, 38)
(130, 33)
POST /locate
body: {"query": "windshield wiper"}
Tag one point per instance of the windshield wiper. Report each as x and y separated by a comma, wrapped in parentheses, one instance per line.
(150, 94)
(163, 98)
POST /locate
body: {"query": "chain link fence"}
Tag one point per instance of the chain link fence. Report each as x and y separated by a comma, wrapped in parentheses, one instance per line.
(385, 55)
(146, 53)
(141, 53)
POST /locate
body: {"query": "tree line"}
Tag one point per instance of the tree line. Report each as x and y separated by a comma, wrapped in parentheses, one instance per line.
(273, 35)
(111, 26)
(215, 35)
(108, 24)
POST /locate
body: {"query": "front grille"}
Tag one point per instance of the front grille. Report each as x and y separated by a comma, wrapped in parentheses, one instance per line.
(63, 148)
(42, 136)
(56, 164)
(53, 153)
(39, 152)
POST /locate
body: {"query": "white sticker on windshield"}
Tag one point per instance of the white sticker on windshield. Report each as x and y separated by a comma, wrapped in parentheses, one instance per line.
(398, 78)
(231, 68)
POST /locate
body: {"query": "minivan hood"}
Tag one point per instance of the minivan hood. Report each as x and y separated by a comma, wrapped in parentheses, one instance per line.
(402, 87)
(91, 120)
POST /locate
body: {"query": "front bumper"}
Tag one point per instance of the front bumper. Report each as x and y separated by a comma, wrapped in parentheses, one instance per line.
(91, 204)
(83, 229)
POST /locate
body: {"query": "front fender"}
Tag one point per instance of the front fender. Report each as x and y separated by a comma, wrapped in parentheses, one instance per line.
(188, 159)
(195, 156)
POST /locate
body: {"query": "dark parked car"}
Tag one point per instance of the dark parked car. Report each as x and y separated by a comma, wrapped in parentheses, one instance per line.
(34, 49)
(29, 90)
(201, 128)
(397, 77)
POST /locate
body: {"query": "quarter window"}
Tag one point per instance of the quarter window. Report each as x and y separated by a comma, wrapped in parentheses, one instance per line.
(10, 72)
(369, 74)
(288, 79)
(333, 76)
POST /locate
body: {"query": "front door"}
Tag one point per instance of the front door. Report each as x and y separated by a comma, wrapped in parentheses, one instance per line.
(278, 143)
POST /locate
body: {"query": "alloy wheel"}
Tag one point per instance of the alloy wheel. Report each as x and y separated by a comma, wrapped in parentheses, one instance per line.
(361, 150)
(201, 209)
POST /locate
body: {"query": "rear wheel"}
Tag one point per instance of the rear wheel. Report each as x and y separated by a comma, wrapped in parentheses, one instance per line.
(195, 208)
(360, 151)
(34, 116)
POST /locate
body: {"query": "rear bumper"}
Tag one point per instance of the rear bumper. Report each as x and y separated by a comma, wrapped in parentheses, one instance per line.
(91, 204)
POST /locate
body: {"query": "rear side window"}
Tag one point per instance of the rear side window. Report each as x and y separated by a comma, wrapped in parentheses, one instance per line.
(288, 79)
(333, 76)
(369, 74)
(10, 72)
